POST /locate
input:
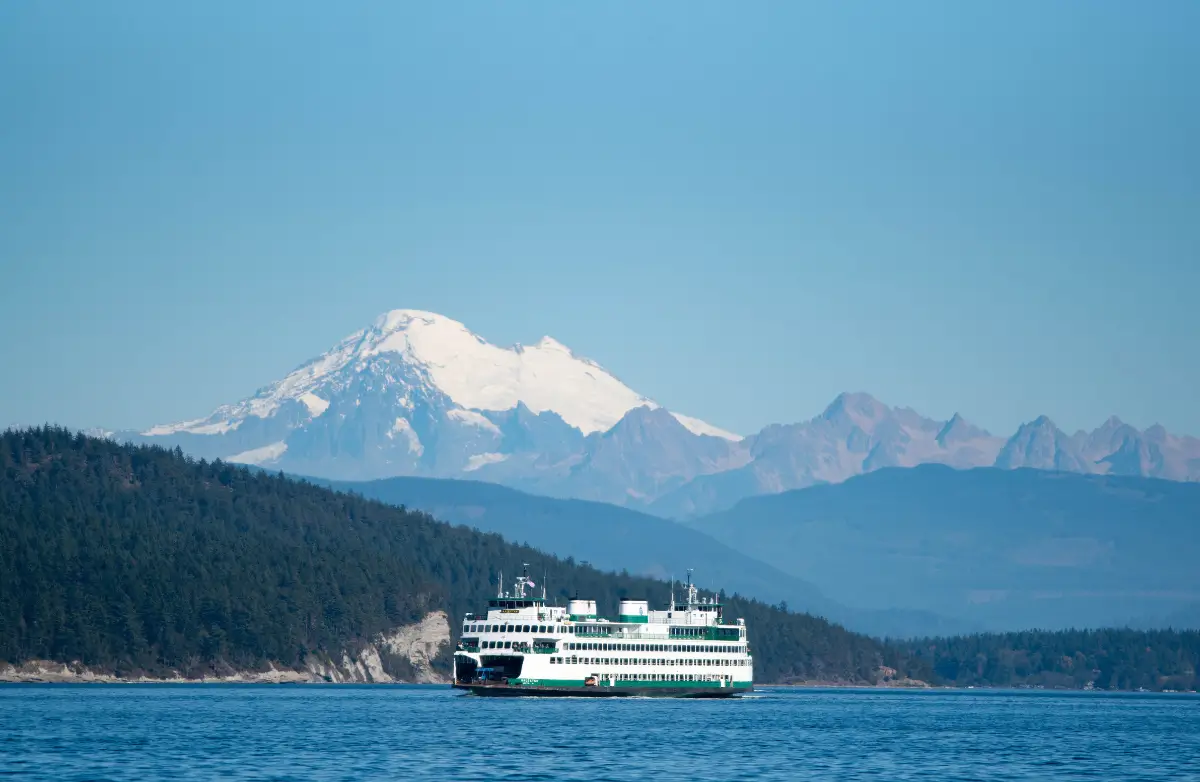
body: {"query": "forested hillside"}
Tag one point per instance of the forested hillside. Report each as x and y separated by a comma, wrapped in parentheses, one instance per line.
(1119, 659)
(643, 544)
(140, 559)
(1003, 550)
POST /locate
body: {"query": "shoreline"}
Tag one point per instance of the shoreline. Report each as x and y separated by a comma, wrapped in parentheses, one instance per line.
(292, 678)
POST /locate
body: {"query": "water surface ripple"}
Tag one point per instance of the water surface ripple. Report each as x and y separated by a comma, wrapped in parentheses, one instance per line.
(320, 732)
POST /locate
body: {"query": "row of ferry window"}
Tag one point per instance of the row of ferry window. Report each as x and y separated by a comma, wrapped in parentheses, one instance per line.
(616, 647)
(667, 677)
(565, 629)
(514, 629)
(573, 660)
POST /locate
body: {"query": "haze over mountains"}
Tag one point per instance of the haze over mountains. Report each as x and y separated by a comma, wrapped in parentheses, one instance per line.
(419, 394)
(998, 549)
(619, 539)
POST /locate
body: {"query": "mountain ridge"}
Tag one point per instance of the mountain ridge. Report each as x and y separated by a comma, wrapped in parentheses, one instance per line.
(1006, 549)
(417, 393)
(617, 539)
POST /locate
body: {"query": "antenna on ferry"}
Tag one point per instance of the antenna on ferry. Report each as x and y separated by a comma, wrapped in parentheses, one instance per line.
(501, 587)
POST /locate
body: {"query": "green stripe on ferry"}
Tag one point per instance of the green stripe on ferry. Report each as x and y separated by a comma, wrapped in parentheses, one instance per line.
(634, 619)
(603, 683)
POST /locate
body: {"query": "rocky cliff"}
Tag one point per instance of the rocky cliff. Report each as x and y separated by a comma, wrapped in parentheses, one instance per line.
(404, 654)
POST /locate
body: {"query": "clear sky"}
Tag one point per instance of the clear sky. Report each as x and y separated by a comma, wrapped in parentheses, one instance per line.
(740, 209)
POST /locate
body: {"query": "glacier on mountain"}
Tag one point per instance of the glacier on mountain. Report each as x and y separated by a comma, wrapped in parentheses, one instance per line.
(472, 372)
(416, 393)
(419, 393)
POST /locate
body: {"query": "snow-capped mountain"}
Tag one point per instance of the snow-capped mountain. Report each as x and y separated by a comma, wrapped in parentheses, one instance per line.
(859, 434)
(417, 393)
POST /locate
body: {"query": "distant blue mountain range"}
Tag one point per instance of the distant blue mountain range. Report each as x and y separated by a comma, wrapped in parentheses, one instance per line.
(616, 539)
(816, 513)
(1002, 549)
(898, 552)
(418, 394)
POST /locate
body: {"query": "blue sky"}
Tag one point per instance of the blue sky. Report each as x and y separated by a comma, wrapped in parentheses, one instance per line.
(740, 209)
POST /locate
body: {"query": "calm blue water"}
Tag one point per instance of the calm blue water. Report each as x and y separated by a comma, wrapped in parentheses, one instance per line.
(143, 732)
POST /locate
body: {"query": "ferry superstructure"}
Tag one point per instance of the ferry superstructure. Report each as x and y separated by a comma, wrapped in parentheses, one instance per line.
(522, 646)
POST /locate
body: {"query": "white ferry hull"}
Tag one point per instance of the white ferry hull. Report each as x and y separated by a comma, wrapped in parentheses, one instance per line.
(628, 690)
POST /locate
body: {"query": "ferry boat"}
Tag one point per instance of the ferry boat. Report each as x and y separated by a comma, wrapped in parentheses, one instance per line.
(522, 646)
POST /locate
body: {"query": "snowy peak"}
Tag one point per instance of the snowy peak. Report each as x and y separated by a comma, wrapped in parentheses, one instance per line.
(860, 409)
(1042, 445)
(550, 343)
(958, 430)
(480, 376)
(424, 354)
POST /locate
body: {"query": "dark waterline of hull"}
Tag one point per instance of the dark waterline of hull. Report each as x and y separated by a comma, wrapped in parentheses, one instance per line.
(507, 691)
